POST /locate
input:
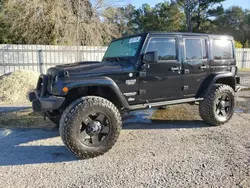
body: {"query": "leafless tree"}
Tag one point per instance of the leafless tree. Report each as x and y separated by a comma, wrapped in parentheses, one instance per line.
(58, 22)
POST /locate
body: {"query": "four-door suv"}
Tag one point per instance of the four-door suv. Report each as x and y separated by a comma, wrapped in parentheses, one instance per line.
(141, 71)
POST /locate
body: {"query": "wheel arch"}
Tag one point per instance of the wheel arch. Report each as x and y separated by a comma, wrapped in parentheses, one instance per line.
(103, 87)
(221, 78)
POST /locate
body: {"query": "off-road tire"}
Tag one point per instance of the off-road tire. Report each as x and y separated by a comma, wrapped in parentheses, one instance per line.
(71, 121)
(207, 106)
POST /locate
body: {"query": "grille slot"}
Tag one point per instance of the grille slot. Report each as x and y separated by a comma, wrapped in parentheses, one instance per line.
(42, 85)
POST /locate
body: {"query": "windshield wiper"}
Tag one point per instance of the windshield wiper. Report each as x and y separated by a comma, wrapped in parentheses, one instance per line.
(112, 59)
(118, 59)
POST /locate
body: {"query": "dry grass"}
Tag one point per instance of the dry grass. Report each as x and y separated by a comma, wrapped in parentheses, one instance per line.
(24, 119)
(15, 87)
(244, 69)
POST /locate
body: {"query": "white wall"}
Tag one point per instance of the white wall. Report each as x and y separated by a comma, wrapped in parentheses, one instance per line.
(15, 57)
(243, 57)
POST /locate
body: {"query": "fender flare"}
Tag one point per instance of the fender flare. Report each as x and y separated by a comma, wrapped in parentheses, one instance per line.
(99, 81)
(208, 83)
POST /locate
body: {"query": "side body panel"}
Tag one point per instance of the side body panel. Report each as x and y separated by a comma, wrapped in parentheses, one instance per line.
(218, 68)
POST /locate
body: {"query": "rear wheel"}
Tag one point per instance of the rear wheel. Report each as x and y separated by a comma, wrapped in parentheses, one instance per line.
(218, 107)
(90, 126)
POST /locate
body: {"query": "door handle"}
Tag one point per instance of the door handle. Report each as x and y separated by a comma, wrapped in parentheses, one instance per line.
(203, 67)
(175, 68)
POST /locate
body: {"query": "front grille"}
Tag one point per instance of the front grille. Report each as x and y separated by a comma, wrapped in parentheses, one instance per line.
(39, 83)
(42, 85)
(51, 73)
(50, 82)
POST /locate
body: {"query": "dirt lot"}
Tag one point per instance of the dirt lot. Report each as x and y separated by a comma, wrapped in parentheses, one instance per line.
(180, 151)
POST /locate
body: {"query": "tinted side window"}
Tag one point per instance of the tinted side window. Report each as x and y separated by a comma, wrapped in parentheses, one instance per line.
(193, 49)
(166, 48)
(222, 49)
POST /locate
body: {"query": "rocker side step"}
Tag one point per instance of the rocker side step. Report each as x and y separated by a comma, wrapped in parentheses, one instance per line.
(163, 103)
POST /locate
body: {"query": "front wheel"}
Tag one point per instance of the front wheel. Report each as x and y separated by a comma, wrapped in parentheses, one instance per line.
(90, 126)
(218, 107)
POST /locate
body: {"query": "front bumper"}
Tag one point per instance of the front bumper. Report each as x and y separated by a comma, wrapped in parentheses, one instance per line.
(41, 100)
(46, 103)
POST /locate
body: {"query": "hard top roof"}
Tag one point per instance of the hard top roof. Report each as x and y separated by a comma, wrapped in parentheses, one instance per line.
(183, 33)
(177, 33)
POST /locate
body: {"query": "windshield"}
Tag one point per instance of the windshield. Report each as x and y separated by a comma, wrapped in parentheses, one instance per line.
(127, 47)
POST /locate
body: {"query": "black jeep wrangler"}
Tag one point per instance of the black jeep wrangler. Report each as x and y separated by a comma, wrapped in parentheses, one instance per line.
(141, 71)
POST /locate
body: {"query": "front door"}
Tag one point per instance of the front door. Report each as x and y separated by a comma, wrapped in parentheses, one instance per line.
(195, 63)
(162, 80)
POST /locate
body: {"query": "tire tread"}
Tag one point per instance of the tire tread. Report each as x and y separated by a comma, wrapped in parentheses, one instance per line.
(73, 110)
(206, 106)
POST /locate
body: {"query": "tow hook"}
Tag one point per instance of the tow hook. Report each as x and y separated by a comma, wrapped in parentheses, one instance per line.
(148, 104)
(238, 88)
(44, 116)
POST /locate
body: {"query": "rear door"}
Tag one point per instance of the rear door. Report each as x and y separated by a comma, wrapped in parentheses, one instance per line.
(195, 63)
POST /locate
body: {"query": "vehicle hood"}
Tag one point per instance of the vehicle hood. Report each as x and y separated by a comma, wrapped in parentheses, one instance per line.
(90, 68)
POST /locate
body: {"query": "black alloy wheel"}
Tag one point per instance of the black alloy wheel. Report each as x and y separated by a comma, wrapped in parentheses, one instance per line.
(95, 128)
(223, 106)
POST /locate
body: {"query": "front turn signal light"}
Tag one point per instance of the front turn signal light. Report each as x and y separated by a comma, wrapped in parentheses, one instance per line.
(65, 89)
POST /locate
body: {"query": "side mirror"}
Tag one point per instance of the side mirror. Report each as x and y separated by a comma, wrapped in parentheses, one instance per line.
(150, 57)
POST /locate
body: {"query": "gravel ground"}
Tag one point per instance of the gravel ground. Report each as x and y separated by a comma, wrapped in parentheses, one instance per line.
(245, 78)
(166, 153)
